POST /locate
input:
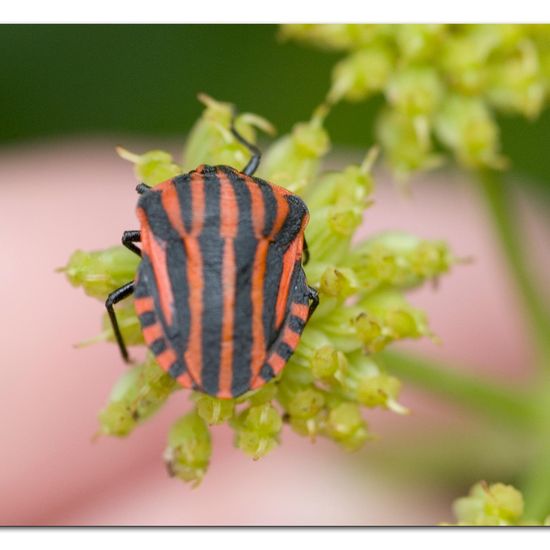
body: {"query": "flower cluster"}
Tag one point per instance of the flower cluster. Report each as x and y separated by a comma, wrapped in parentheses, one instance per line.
(336, 371)
(442, 84)
(495, 504)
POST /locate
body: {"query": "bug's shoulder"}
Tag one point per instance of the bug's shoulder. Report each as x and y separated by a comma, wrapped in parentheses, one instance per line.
(274, 189)
(152, 195)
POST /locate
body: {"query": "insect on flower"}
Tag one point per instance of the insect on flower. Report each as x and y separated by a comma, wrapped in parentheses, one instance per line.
(220, 291)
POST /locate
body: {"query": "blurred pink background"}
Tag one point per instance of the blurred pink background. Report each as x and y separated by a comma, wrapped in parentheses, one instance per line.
(60, 196)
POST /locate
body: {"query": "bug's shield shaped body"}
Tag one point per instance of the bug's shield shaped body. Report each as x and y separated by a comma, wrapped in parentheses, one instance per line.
(221, 293)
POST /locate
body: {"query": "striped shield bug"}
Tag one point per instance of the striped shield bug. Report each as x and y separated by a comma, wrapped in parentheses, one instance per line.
(220, 291)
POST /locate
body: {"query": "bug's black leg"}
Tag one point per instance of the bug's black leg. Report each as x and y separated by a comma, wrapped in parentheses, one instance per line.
(254, 162)
(142, 188)
(306, 252)
(313, 295)
(113, 298)
(128, 240)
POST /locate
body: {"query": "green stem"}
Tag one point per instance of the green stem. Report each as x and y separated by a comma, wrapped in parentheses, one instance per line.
(500, 207)
(504, 404)
(452, 458)
(536, 481)
(536, 484)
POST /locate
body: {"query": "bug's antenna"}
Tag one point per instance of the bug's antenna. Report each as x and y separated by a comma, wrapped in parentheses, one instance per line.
(254, 162)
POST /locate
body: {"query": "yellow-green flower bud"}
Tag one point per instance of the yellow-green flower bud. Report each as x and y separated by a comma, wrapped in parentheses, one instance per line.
(356, 440)
(516, 84)
(257, 430)
(496, 504)
(361, 74)
(335, 37)
(402, 323)
(466, 126)
(213, 410)
(328, 364)
(375, 265)
(152, 167)
(381, 390)
(505, 502)
(295, 379)
(254, 444)
(116, 419)
(397, 313)
(464, 57)
(138, 394)
(419, 42)
(352, 186)
(399, 260)
(340, 327)
(211, 141)
(346, 426)
(330, 231)
(305, 404)
(293, 160)
(344, 419)
(365, 383)
(128, 323)
(309, 427)
(336, 207)
(189, 448)
(406, 142)
(265, 394)
(264, 419)
(371, 332)
(336, 204)
(387, 317)
(345, 220)
(338, 282)
(509, 36)
(415, 91)
(101, 272)
(429, 260)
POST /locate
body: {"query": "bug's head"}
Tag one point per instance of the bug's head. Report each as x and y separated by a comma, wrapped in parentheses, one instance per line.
(142, 188)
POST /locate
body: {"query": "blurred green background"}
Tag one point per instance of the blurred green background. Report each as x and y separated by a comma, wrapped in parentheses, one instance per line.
(143, 79)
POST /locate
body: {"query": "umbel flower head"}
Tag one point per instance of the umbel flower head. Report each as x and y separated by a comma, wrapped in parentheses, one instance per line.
(336, 373)
(442, 85)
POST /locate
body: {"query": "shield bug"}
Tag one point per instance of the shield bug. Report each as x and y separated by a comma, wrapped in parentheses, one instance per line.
(220, 291)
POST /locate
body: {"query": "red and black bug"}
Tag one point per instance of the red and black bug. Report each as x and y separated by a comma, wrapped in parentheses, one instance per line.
(220, 292)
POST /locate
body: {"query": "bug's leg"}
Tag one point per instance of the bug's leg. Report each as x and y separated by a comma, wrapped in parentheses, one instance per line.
(113, 298)
(128, 240)
(313, 295)
(305, 251)
(142, 188)
(254, 162)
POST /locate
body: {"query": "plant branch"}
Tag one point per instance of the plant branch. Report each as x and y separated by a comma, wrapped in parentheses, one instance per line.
(495, 401)
(536, 478)
(536, 485)
(500, 207)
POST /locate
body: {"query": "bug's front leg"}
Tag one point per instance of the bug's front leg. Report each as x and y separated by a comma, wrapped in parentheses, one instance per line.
(128, 240)
(113, 298)
(313, 295)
